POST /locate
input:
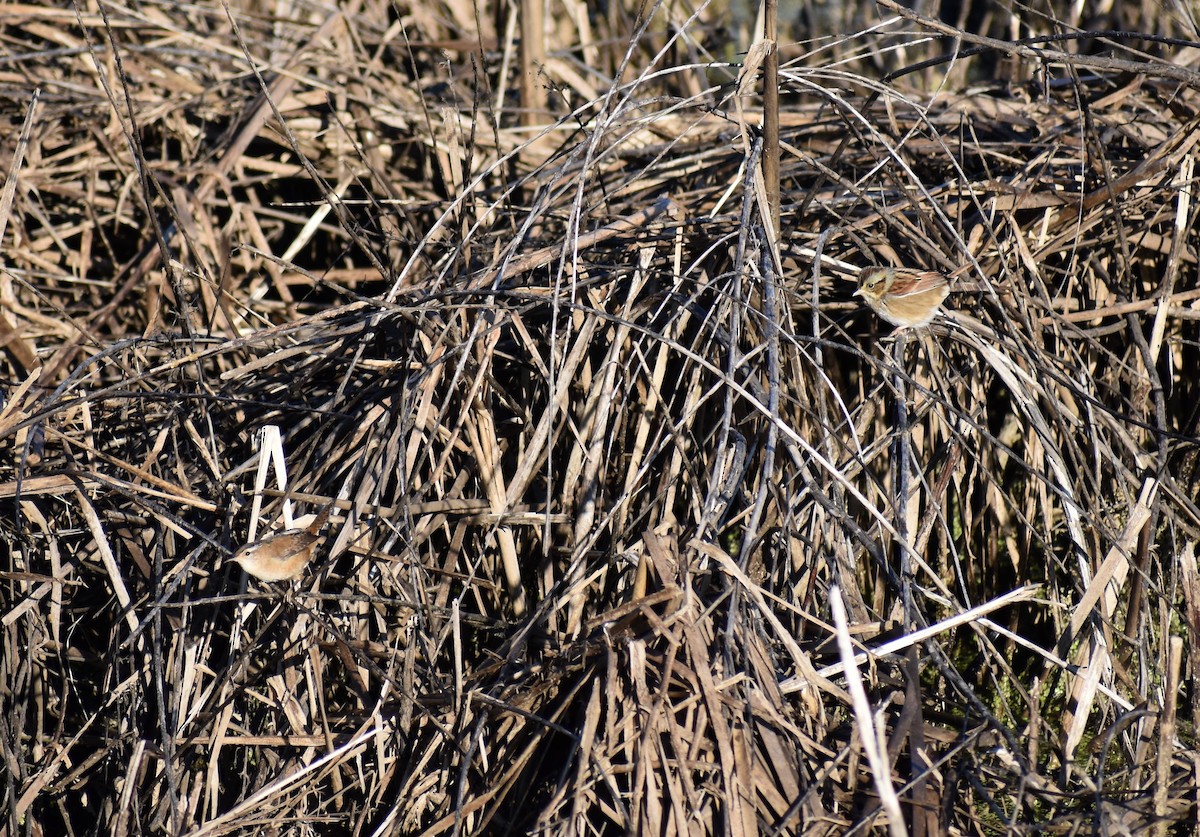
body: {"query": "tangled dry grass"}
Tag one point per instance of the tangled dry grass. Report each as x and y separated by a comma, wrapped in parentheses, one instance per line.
(639, 522)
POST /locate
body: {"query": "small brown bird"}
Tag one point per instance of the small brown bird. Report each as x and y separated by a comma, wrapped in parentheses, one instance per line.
(904, 297)
(283, 556)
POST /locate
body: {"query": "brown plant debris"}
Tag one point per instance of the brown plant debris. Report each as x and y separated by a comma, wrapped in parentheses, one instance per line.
(596, 447)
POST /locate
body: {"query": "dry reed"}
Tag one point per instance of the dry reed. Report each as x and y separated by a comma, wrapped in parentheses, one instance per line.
(599, 446)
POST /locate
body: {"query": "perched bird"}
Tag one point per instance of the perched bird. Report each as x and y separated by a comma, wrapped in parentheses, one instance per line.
(283, 556)
(904, 297)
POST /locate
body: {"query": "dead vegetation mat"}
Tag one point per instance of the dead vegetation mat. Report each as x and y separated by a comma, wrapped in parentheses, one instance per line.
(639, 521)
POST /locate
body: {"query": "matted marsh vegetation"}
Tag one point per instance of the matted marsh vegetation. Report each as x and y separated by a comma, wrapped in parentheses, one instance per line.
(621, 482)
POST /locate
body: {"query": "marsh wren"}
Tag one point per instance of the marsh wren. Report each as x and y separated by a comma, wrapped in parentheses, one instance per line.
(283, 556)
